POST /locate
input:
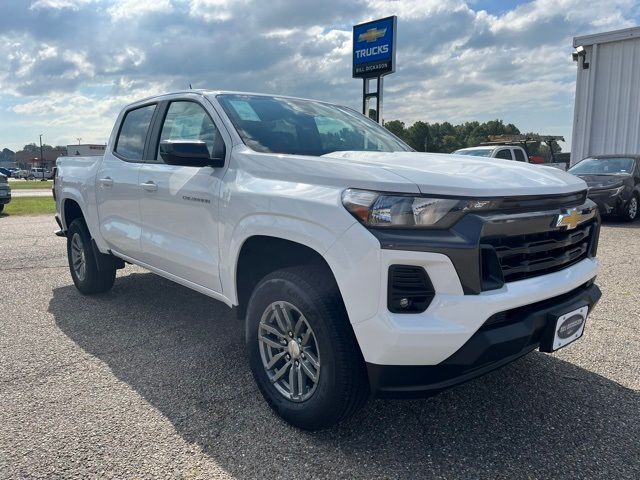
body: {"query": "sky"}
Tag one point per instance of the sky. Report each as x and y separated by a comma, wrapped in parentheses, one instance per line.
(68, 66)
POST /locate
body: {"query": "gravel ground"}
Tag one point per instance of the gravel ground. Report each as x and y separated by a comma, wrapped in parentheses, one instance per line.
(150, 381)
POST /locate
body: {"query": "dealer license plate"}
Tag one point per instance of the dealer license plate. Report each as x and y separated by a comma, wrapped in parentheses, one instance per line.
(569, 327)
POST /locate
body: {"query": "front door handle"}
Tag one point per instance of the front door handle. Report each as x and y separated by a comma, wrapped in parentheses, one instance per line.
(149, 186)
(106, 182)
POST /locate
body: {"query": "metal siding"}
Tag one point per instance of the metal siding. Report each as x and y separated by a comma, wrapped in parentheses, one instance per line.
(607, 104)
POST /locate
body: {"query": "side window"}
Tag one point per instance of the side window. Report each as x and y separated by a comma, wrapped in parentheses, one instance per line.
(133, 133)
(189, 121)
(504, 153)
(519, 155)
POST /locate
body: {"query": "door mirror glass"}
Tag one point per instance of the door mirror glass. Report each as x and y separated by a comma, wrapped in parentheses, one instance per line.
(189, 153)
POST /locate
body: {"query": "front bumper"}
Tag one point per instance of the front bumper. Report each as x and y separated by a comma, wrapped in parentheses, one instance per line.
(503, 338)
(5, 197)
(607, 204)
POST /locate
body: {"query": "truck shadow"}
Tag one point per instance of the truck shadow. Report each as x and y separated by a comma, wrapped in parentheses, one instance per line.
(183, 353)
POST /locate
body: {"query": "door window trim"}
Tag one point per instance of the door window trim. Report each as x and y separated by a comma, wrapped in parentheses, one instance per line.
(149, 131)
(156, 130)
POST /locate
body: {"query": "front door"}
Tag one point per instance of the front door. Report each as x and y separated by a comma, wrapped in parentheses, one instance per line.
(179, 205)
(117, 185)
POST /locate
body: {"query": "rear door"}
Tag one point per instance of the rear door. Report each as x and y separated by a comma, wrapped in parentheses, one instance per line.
(504, 153)
(179, 205)
(117, 186)
(519, 154)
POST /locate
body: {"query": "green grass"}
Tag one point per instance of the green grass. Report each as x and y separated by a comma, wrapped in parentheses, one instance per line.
(29, 185)
(29, 206)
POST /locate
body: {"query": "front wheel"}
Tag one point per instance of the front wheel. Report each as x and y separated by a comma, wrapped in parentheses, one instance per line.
(631, 210)
(302, 350)
(82, 261)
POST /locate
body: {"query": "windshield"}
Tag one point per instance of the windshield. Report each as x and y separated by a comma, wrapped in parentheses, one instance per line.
(303, 127)
(603, 166)
(478, 152)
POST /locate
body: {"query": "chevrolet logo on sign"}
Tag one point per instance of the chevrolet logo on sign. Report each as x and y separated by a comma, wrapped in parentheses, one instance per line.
(372, 35)
(573, 218)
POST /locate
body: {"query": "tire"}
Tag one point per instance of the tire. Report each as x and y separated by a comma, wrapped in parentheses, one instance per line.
(632, 209)
(1, 208)
(341, 387)
(82, 262)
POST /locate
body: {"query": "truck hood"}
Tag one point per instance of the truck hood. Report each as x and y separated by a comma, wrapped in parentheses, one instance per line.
(460, 175)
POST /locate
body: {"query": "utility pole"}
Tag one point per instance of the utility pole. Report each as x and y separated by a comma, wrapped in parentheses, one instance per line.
(79, 140)
(41, 157)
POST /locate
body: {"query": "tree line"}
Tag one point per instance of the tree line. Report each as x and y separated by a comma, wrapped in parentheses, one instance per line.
(445, 137)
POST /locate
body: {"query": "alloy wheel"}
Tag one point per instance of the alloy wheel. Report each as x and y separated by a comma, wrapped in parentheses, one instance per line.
(632, 209)
(78, 259)
(289, 351)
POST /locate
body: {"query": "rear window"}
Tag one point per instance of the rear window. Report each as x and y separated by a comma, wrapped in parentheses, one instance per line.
(130, 142)
(519, 155)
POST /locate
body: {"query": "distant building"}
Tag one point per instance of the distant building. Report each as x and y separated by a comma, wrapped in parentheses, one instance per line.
(27, 160)
(86, 150)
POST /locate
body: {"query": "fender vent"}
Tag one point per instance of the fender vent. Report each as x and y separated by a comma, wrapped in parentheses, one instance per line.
(409, 289)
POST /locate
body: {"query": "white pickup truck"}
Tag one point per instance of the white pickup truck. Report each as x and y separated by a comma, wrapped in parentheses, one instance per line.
(506, 152)
(358, 266)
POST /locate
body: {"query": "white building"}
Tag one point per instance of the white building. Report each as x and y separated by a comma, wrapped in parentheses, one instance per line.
(85, 150)
(607, 106)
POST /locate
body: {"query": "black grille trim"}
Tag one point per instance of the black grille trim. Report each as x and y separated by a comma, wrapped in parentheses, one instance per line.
(412, 283)
(530, 255)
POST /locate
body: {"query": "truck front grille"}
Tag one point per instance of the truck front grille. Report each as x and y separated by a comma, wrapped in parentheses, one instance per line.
(530, 255)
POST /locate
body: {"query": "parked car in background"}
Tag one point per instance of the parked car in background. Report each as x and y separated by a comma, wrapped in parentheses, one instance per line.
(20, 174)
(39, 173)
(5, 191)
(507, 152)
(5, 171)
(614, 183)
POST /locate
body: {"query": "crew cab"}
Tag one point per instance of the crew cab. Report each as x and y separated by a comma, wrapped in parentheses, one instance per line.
(359, 267)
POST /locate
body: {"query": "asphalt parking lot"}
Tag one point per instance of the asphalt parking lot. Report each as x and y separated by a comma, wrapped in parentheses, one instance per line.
(150, 380)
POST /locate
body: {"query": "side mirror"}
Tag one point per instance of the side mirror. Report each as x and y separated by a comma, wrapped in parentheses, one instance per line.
(191, 153)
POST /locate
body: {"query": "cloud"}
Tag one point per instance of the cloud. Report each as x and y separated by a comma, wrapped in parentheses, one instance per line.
(123, 9)
(455, 61)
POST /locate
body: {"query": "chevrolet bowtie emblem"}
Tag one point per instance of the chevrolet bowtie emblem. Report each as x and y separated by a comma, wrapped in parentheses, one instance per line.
(572, 219)
(372, 35)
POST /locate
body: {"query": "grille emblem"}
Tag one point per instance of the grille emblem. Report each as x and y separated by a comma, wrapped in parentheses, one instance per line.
(572, 218)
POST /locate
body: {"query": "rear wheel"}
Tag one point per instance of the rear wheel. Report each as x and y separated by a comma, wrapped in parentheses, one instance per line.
(302, 350)
(631, 210)
(82, 262)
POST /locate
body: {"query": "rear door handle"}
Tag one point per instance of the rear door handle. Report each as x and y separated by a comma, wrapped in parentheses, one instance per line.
(106, 182)
(149, 186)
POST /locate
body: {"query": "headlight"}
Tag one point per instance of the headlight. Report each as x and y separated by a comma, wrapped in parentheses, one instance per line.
(616, 191)
(375, 209)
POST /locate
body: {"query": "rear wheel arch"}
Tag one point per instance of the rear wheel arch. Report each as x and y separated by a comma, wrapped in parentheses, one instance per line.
(71, 211)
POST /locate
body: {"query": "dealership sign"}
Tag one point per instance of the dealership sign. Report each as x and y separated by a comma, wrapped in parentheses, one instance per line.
(374, 43)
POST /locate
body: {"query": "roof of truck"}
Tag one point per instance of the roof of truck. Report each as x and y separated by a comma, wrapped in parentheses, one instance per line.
(207, 92)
